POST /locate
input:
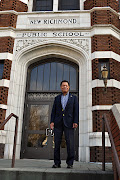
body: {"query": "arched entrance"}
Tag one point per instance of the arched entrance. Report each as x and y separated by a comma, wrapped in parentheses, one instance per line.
(43, 84)
(37, 52)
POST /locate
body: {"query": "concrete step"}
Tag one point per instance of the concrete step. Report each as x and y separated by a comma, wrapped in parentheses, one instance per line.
(41, 170)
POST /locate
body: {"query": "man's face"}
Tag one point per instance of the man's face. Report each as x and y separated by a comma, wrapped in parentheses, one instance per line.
(65, 87)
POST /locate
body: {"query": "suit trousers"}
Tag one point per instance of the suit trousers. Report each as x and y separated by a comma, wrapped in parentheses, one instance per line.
(69, 137)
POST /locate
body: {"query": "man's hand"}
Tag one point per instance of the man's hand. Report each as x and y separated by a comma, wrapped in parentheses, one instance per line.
(75, 125)
(52, 126)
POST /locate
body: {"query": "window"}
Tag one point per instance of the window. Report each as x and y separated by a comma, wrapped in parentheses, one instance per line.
(102, 63)
(43, 5)
(1, 69)
(47, 76)
(69, 5)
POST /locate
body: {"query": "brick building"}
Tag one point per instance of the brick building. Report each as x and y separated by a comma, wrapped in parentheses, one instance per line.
(42, 43)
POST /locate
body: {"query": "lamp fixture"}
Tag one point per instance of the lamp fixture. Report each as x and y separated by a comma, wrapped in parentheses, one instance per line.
(104, 73)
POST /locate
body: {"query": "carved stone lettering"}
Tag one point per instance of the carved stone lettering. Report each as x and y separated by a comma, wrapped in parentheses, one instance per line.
(83, 43)
(67, 21)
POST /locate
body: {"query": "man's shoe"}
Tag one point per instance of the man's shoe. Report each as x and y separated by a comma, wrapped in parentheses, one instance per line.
(69, 166)
(56, 166)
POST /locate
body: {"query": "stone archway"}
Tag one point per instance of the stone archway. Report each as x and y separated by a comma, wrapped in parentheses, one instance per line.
(43, 85)
(32, 53)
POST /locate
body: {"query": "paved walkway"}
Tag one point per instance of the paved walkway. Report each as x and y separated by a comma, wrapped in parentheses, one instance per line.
(45, 166)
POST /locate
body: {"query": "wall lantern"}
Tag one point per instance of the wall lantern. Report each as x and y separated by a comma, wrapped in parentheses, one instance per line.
(104, 73)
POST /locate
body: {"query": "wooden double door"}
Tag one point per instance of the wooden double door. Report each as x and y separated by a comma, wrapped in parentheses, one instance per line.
(37, 137)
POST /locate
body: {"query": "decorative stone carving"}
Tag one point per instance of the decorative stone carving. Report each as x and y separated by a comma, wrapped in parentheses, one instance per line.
(41, 96)
(83, 43)
(44, 96)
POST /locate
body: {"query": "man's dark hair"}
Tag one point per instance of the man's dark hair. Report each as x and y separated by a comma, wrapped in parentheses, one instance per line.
(64, 81)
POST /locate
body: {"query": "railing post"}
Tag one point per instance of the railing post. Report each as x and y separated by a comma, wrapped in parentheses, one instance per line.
(103, 144)
(15, 135)
(15, 139)
(116, 177)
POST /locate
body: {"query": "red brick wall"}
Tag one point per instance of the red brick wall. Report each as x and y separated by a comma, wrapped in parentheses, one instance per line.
(114, 69)
(7, 69)
(2, 115)
(115, 129)
(105, 43)
(95, 69)
(100, 98)
(96, 154)
(105, 17)
(8, 20)
(97, 119)
(3, 95)
(15, 5)
(6, 44)
(89, 4)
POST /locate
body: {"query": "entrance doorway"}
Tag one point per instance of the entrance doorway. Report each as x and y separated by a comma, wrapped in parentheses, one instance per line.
(43, 85)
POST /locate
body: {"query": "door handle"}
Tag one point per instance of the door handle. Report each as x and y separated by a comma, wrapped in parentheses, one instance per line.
(49, 131)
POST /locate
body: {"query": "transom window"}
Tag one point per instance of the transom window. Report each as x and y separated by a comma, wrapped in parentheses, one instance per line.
(47, 76)
(43, 5)
(1, 68)
(69, 5)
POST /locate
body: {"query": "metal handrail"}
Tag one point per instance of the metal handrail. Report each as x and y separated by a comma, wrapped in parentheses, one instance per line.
(15, 135)
(115, 155)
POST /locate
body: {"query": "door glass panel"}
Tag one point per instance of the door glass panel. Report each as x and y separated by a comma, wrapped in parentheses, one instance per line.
(72, 78)
(59, 74)
(66, 72)
(33, 79)
(53, 76)
(40, 77)
(38, 117)
(37, 140)
(46, 77)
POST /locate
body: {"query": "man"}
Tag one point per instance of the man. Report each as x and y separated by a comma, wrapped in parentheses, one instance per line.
(64, 117)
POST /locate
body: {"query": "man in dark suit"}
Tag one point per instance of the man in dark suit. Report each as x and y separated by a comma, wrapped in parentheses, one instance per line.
(64, 117)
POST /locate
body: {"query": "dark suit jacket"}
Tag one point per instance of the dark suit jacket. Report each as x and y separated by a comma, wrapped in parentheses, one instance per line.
(69, 116)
